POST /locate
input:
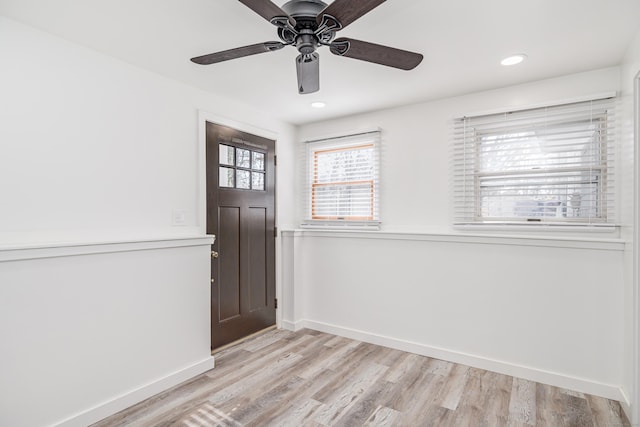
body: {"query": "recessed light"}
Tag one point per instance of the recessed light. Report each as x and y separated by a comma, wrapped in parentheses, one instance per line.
(514, 59)
(318, 104)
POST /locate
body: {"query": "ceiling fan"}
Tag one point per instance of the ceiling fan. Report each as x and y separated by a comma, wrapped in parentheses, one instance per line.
(309, 24)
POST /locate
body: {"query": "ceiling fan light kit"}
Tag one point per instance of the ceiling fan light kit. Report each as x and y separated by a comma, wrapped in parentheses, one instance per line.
(310, 24)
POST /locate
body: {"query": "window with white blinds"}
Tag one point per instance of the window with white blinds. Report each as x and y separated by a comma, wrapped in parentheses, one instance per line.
(342, 181)
(552, 165)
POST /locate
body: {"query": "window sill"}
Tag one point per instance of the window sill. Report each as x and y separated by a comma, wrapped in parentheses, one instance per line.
(341, 225)
(537, 227)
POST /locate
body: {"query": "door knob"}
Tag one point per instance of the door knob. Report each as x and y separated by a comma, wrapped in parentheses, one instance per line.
(214, 254)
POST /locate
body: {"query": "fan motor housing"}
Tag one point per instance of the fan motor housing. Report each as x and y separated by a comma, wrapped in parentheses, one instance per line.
(302, 10)
(306, 42)
(305, 36)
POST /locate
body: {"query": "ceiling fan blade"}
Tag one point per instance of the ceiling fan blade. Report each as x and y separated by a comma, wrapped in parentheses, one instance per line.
(268, 10)
(308, 67)
(376, 53)
(347, 11)
(238, 52)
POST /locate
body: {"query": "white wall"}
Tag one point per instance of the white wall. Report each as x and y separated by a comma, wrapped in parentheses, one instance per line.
(91, 144)
(631, 384)
(98, 154)
(415, 144)
(544, 310)
(543, 305)
(87, 334)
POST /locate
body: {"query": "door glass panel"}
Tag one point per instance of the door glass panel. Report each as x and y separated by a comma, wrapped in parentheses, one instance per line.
(257, 181)
(243, 179)
(227, 176)
(227, 155)
(258, 161)
(234, 161)
(244, 158)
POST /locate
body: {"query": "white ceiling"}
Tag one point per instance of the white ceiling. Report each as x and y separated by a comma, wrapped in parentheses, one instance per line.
(462, 42)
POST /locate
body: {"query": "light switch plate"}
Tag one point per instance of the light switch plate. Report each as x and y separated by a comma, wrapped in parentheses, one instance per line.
(179, 217)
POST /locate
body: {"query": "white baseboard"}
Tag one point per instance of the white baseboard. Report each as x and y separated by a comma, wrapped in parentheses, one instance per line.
(551, 378)
(132, 397)
(625, 402)
(287, 325)
(293, 326)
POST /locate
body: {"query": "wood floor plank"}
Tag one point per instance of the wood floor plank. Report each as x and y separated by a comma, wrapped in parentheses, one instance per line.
(261, 342)
(270, 395)
(371, 402)
(252, 406)
(295, 401)
(385, 356)
(479, 390)
(439, 367)
(451, 393)
(349, 365)
(229, 366)
(240, 388)
(408, 387)
(548, 399)
(228, 371)
(402, 367)
(421, 407)
(207, 415)
(309, 378)
(322, 384)
(436, 416)
(381, 417)
(523, 402)
(606, 412)
(576, 412)
(340, 403)
(330, 357)
(298, 416)
(497, 401)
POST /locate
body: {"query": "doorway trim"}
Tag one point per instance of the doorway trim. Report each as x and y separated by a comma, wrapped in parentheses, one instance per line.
(201, 214)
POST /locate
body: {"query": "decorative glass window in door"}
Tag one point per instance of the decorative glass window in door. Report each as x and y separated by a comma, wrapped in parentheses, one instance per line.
(241, 168)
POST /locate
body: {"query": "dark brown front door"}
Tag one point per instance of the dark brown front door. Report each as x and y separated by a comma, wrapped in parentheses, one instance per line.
(240, 212)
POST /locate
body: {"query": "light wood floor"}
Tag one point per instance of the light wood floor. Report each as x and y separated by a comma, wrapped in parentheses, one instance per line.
(308, 378)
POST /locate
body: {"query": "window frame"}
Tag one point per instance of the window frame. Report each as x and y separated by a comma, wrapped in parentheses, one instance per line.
(313, 150)
(468, 196)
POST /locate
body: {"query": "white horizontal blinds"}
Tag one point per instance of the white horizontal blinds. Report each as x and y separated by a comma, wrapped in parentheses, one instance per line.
(343, 178)
(552, 165)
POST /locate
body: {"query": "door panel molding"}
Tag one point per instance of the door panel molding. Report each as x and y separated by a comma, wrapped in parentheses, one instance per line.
(258, 253)
(227, 263)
